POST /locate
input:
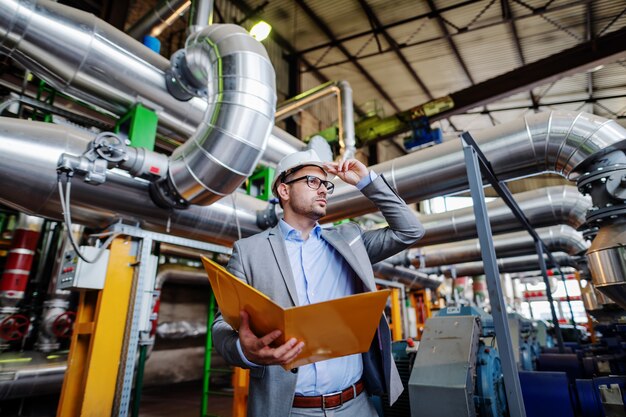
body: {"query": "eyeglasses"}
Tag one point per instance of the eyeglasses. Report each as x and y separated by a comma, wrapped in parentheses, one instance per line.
(315, 183)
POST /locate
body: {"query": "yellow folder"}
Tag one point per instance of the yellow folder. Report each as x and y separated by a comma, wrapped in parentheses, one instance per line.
(329, 329)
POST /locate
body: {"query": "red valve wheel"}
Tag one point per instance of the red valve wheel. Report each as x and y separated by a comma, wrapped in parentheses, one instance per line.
(63, 324)
(14, 327)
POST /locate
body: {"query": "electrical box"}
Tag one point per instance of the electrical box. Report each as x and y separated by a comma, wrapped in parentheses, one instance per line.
(76, 273)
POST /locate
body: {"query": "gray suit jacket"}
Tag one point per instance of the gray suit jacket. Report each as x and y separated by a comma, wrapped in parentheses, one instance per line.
(261, 260)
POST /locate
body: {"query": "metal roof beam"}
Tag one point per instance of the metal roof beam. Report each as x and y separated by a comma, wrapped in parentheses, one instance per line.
(330, 35)
(537, 12)
(387, 26)
(598, 51)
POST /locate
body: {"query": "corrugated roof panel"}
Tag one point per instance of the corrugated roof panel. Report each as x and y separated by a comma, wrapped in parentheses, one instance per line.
(341, 17)
(488, 52)
(393, 11)
(610, 76)
(325, 56)
(405, 91)
(367, 45)
(419, 32)
(472, 15)
(438, 68)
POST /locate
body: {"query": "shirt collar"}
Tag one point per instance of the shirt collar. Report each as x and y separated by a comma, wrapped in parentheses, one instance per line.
(290, 233)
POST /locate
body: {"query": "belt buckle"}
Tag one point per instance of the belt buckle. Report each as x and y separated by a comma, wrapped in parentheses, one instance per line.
(329, 395)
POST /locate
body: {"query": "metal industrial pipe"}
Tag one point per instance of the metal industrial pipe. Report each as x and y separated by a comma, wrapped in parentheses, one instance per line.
(513, 264)
(411, 278)
(561, 238)
(201, 14)
(88, 59)
(543, 207)
(30, 153)
(345, 110)
(556, 141)
(237, 75)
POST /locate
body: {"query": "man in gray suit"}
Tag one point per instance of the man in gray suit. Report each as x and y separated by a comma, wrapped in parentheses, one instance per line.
(296, 263)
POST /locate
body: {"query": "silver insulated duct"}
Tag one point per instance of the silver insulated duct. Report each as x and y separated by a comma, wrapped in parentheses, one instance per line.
(543, 207)
(514, 264)
(30, 153)
(233, 70)
(88, 59)
(561, 238)
(557, 142)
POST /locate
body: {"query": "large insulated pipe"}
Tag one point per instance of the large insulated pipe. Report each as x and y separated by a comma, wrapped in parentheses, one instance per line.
(30, 153)
(513, 264)
(561, 238)
(543, 207)
(409, 277)
(88, 59)
(237, 75)
(557, 142)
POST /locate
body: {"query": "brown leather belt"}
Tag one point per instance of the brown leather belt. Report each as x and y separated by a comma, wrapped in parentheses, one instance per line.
(332, 400)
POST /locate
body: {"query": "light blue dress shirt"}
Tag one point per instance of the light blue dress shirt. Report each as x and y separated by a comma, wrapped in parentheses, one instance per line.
(321, 274)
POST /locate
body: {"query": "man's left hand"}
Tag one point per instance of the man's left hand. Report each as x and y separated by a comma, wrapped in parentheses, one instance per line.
(350, 171)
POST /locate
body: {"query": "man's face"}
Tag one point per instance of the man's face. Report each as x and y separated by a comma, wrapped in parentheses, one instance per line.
(302, 199)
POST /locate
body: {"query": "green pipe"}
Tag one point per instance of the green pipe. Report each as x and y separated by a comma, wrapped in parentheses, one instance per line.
(207, 356)
(143, 349)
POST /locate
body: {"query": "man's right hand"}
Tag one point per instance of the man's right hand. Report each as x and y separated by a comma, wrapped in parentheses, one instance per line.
(257, 350)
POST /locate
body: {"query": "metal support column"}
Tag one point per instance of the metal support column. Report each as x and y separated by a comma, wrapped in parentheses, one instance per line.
(97, 340)
(505, 194)
(241, 382)
(498, 308)
(544, 274)
(569, 300)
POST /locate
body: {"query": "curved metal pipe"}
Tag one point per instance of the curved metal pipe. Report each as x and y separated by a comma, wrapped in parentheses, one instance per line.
(543, 207)
(88, 59)
(411, 278)
(227, 145)
(561, 238)
(513, 264)
(31, 151)
(180, 274)
(345, 109)
(558, 142)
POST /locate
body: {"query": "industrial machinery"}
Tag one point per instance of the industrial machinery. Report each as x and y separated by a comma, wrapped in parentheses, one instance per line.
(457, 370)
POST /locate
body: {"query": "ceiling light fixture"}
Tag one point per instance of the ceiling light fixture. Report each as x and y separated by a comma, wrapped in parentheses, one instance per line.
(261, 30)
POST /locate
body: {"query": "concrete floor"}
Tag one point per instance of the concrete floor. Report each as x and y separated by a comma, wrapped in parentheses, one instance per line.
(182, 400)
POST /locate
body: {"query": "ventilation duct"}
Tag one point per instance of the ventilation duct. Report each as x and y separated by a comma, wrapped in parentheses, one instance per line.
(557, 142)
(237, 75)
(543, 207)
(557, 239)
(90, 60)
(30, 153)
(411, 278)
(514, 264)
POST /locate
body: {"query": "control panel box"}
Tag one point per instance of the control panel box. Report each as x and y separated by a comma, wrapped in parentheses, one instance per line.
(78, 274)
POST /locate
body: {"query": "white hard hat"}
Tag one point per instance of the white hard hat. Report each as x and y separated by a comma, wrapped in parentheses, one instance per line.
(293, 162)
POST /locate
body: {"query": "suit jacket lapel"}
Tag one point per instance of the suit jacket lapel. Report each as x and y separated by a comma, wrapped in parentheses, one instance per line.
(343, 247)
(280, 253)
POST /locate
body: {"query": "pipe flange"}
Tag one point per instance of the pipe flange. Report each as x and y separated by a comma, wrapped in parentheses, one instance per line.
(585, 181)
(179, 80)
(597, 215)
(164, 195)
